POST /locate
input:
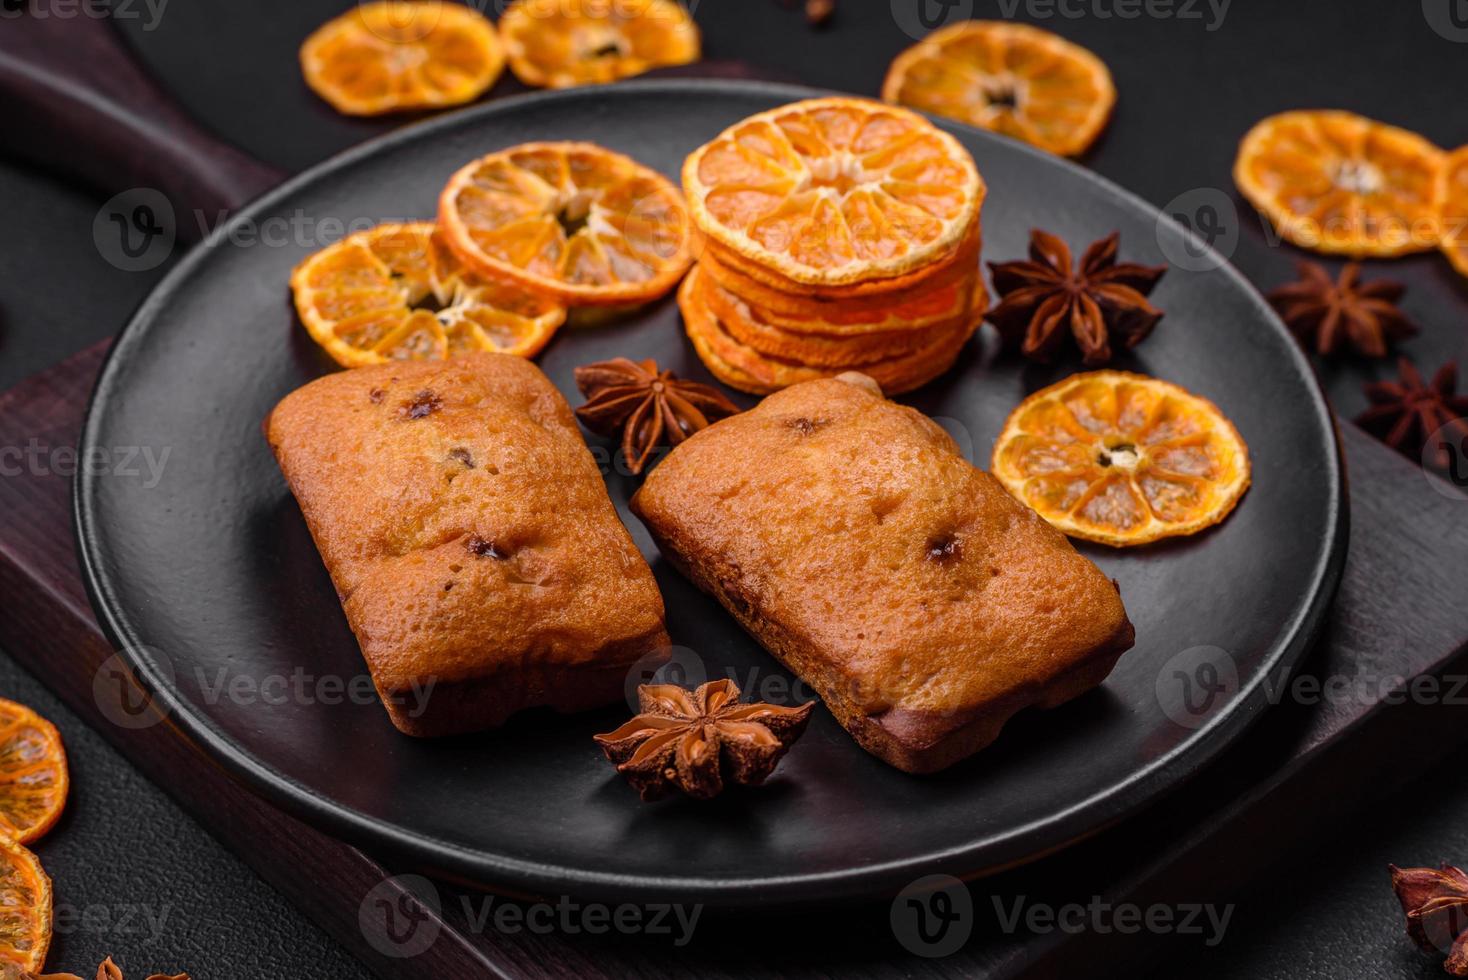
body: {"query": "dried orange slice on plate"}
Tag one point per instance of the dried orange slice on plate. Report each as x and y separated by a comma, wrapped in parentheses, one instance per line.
(25, 907)
(396, 292)
(1011, 78)
(33, 776)
(1454, 196)
(397, 55)
(560, 43)
(1340, 183)
(1122, 458)
(572, 220)
(834, 191)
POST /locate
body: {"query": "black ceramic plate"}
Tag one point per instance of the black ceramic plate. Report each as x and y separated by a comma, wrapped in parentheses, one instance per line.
(208, 581)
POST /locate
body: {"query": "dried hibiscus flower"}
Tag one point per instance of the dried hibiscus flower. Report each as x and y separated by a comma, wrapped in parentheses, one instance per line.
(698, 741)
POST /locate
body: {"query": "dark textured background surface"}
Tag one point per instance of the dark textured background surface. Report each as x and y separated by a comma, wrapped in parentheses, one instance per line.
(1187, 93)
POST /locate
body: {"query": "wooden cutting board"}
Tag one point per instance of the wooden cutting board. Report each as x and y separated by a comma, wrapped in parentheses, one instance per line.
(1399, 614)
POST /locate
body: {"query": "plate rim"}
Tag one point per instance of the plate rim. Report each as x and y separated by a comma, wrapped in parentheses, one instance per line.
(1019, 845)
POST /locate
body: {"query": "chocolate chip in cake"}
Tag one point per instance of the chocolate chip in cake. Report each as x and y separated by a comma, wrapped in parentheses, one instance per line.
(422, 405)
(462, 455)
(375, 396)
(944, 549)
(481, 548)
(804, 425)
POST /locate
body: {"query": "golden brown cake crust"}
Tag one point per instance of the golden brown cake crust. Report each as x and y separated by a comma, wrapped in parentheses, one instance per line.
(469, 534)
(847, 534)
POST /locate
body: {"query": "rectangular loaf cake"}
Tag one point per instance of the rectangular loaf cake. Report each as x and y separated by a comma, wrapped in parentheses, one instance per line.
(470, 537)
(850, 537)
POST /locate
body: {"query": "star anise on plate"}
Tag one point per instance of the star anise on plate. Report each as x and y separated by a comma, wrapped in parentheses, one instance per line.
(1435, 901)
(1100, 302)
(1405, 413)
(699, 741)
(647, 407)
(1332, 310)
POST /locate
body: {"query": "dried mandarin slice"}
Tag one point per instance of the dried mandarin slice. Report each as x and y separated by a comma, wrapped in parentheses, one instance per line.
(1340, 183)
(25, 908)
(402, 54)
(560, 43)
(33, 775)
(1454, 196)
(1122, 459)
(1011, 78)
(836, 191)
(571, 220)
(396, 292)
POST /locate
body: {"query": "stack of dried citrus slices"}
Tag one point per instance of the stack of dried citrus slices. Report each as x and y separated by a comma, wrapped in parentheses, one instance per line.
(840, 234)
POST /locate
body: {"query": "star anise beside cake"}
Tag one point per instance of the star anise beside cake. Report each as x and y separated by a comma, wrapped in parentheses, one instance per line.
(1324, 312)
(648, 408)
(1098, 302)
(700, 741)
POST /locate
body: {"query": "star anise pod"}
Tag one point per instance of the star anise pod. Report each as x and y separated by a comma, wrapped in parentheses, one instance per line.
(1436, 904)
(648, 408)
(698, 741)
(1364, 313)
(107, 971)
(1098, 301)
(1405, 413)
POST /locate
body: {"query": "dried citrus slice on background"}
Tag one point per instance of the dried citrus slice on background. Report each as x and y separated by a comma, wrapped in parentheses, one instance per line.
(1340, 183)
(396, 292)
(573, 220)
(1454, 197)
(402, 54)
(1011, 78)
(33, 777)
(25, 907)
(560, 43)
(1122, 458)
(834, 191)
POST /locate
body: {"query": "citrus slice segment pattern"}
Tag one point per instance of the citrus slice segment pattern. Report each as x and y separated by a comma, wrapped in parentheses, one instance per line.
(398, 55)
(1340, 183)
(33, 774)
(575, 221)
(1454, 197)
(834, 191)
(397, 292)
(1013, 79)
(25, 908)
(1122, 459)
(561, 43)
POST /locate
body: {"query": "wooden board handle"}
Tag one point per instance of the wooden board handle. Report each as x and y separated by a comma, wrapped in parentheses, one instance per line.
(76, 101)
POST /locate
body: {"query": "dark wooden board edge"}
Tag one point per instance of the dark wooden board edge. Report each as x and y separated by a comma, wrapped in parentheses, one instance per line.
(1407, 550)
